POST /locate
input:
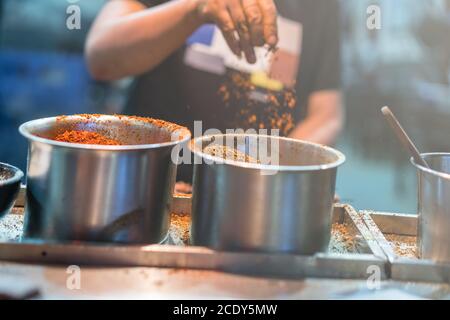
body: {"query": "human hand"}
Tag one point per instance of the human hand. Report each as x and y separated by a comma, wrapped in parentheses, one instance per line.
(245, 24)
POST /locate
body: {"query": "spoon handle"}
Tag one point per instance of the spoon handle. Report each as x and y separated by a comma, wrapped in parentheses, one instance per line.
(403, 137)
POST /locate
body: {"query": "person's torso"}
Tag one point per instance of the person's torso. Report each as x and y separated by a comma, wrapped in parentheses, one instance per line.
(203, 81)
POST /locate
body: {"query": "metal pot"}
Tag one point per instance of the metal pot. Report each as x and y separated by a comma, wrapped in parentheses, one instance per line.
(10, 178)
(97, 192)
(434, 207)
(238, 207)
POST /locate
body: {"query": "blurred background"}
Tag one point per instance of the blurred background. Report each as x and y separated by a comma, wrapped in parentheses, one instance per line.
(405, 65)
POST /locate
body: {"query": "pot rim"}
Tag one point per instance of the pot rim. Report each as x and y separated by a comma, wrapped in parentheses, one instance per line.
(217, 160)
(432, 171)
(24, 131)
(17, 174)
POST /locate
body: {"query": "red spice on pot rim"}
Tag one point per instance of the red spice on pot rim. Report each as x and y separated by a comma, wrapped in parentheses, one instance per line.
(178, 132)
(172, 127)
(99, 129)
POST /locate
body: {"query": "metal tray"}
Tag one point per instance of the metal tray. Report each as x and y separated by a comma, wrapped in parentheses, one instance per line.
(403, 227)
(175, 254)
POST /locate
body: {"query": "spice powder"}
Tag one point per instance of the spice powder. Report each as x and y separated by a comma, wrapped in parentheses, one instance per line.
(85, 137)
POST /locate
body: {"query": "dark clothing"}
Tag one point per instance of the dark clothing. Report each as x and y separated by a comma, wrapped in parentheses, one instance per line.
(179, 93)
(175, 92)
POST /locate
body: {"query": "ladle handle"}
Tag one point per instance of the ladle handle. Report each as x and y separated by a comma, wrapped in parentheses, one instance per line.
(403, 136)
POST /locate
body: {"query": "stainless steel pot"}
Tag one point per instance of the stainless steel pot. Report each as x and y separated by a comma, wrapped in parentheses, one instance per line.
(10, 178)
(434, 207)
(97, 192)
(238, 207)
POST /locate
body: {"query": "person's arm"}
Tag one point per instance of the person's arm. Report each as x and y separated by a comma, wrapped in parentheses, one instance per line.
(128, 38)
(324, 114)
(324, 120)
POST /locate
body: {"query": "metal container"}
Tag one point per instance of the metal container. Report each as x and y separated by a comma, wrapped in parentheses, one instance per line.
(10, 178)
(97, 192)
(434, 207)
(236, 206)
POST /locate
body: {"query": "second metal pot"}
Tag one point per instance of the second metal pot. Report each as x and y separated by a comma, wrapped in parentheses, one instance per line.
(434, 207)
(236, 207)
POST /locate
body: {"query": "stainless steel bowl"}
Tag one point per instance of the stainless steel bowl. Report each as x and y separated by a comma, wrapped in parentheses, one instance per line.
(434, 207)
(10, 178)
(236, 207)
(97, 192)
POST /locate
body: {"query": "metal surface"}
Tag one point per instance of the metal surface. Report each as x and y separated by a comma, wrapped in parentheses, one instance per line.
(281, 265)
(100, 193)
(171, 284)
(434, 207)
(238, 206)
(323, 265)
(401, 268)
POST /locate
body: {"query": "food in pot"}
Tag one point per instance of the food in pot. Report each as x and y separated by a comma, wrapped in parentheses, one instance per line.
(228, 153)
(85, 137)
(4, 175)
(93, 129)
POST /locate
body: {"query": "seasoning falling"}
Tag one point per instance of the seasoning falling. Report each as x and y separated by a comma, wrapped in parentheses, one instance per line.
(275, 112)
(271, 50)
(86, 137)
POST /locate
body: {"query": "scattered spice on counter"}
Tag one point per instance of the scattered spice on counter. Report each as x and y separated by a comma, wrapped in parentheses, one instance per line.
(85, 137)
(271, 110)
(180, 225)
(11, 226)
(342, 241)
(228, 153)
(404, 246)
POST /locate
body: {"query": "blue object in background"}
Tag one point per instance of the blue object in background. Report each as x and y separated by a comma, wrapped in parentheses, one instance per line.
(203, 35)
(46, 83)
(35, 85)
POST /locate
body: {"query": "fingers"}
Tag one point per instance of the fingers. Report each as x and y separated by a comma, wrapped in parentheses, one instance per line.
(226, 25)
(240, 22)
(255, 21)
(269, 12)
